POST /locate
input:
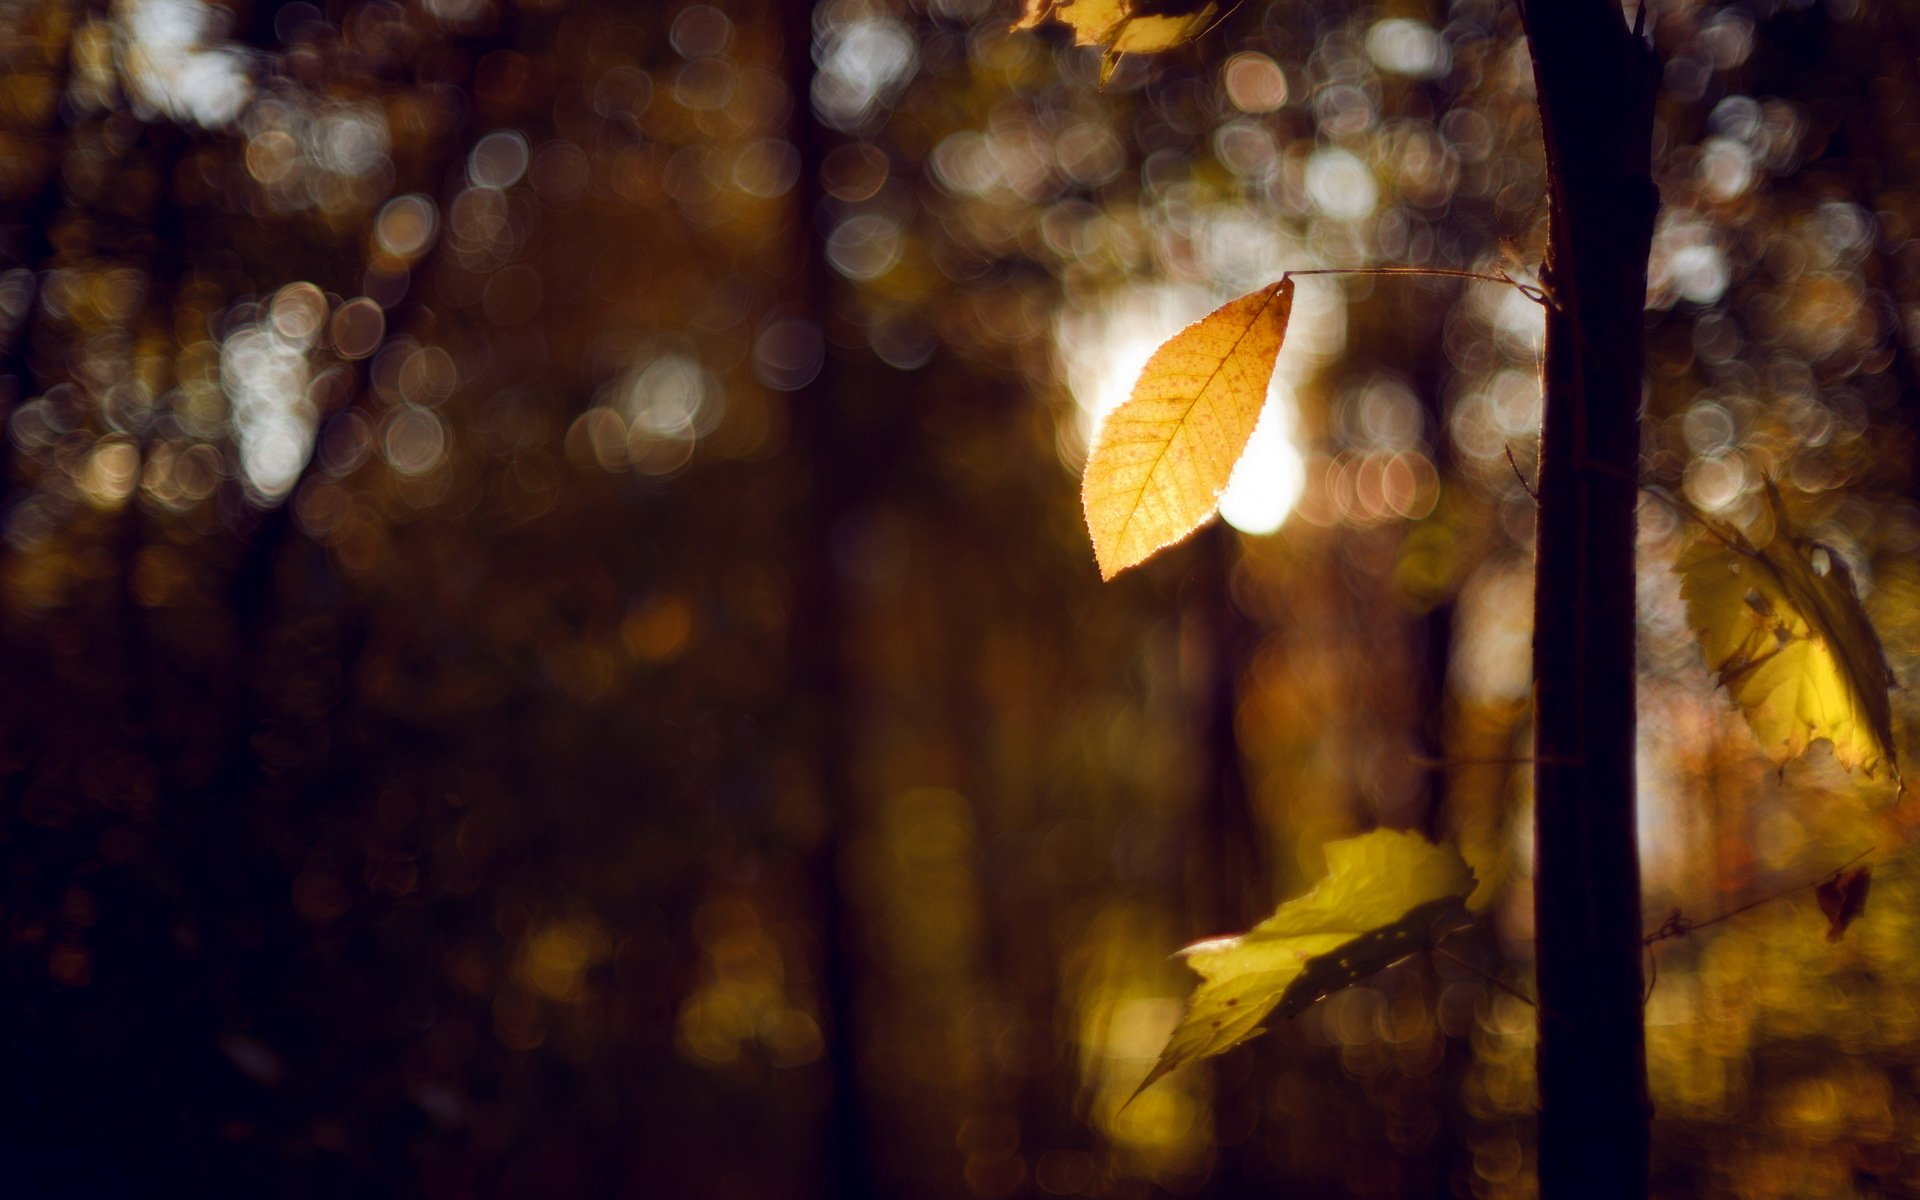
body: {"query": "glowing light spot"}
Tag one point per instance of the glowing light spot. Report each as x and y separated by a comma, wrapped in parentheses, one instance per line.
(170, 68)
(1407, 47)
(865, 246)
(1270, 476)
(667, 397)
(297, 312)
(499, 159)
(357, 328)
(415, 441)
(1725, 169)
(265, 376)
(861, 64)
(1340, 185)
(110, 472)
(406, 226)
(1254, 83)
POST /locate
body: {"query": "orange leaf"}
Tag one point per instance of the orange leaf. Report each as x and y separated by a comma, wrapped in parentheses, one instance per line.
(1163, 457)
(1125, 26)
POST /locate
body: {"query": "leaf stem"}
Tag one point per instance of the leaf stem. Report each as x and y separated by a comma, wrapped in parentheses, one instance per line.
(1531, 291)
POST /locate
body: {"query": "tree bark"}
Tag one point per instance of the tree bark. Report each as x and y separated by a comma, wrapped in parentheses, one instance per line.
(1596, 80)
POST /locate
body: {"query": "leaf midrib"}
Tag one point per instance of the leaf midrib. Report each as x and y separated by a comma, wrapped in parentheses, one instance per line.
(1153, 471)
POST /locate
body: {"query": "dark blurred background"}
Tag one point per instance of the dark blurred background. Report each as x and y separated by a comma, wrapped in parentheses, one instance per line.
(547, 647)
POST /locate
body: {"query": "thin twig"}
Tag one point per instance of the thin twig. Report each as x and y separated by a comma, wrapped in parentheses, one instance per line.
(1532, 291)
(1219, 20)
(1524, 485)
(1502, 984)
(1677, 924)
(1680, 507)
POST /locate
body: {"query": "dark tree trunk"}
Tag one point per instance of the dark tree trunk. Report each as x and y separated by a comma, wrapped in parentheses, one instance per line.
(1596, 79)
(1227, 878)
(1228, 874)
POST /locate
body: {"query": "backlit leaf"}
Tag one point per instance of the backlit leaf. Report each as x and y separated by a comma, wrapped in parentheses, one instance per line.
(1162, 458)
(1387, 894)
(1125, 26)
(1781, 626)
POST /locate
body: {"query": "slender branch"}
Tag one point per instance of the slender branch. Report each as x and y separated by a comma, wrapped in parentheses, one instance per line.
(1677, 924)
(1485, 977)
(1524, 485)
(1488, 978)
(1532, 291)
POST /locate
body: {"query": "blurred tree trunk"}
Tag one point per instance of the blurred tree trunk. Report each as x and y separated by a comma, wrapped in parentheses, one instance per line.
(1228, 873)
(1596, 80)
(26, 243)
(1226, 870)
(818, 627)
(1433, 636)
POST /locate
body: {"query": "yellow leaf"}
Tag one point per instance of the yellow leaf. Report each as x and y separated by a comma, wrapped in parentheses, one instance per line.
(1162, 458)
(1387, 894)
(1781, 626)
(1125, 26)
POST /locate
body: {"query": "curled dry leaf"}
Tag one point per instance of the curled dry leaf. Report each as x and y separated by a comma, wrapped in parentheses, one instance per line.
(1163, 457)
(1125, 26)
(1781, 626)
(1387, 894)
(1843, 898)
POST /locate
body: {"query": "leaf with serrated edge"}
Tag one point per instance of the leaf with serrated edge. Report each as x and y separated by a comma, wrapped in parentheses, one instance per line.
(1163, 457)
(1793, 647)
(1386, 895)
